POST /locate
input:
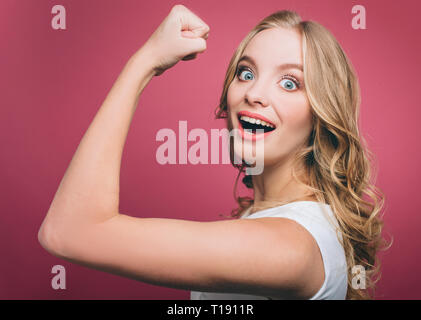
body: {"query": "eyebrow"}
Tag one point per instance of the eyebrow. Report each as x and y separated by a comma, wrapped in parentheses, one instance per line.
(282, 66)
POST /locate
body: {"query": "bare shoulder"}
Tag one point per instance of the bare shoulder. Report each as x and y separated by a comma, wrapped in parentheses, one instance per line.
(273, 257)
(306, 257)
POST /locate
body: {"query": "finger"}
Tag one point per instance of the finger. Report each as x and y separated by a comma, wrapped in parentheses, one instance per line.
(192, 35)
(188, 34)
(201, 32)
(190, 21)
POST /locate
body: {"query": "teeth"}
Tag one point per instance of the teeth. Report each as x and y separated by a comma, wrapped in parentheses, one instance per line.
(256, 121)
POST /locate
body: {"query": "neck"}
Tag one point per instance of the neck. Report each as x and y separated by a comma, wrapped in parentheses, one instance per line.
(276, 183)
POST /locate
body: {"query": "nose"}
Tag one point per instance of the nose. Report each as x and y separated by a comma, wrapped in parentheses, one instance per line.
(256, 95)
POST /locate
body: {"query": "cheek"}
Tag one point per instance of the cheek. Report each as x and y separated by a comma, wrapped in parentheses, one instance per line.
(234, 95)
(295, 116)
(230, 102)
(231, 106)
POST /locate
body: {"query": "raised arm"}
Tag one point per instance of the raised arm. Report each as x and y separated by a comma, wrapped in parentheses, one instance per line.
(268, 256)
(89, 191)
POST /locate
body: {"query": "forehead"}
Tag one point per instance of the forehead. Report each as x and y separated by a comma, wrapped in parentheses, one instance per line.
(274, 46)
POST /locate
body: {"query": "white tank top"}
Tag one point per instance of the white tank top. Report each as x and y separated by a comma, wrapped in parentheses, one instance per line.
(319, 219)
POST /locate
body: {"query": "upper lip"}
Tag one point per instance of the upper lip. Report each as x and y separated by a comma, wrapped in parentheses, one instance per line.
(256, 116)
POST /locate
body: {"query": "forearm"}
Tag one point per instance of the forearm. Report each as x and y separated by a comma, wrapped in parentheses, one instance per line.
(89, 190)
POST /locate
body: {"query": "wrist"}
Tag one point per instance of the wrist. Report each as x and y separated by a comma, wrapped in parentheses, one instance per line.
(144, 59)
(138, 71)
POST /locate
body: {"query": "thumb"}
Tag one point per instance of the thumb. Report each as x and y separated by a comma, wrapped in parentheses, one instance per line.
(197, 33)
(201, 32)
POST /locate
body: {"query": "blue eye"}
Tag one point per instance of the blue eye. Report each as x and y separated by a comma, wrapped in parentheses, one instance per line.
(249, 75)
(289, 84)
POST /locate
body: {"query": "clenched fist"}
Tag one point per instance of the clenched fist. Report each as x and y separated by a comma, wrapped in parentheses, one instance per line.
(180, 36)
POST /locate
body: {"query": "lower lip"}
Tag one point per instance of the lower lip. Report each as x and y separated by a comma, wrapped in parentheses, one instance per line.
(253, 137)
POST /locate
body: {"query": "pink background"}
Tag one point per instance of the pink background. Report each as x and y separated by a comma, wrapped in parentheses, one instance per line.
(54, 81)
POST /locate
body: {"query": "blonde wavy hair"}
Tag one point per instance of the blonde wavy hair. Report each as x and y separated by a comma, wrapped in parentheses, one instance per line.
(335, 157)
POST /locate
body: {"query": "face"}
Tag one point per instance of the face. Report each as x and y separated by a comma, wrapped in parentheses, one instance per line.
(269, 87)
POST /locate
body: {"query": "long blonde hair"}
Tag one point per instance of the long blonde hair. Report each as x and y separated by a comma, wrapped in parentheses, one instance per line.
(336, 158)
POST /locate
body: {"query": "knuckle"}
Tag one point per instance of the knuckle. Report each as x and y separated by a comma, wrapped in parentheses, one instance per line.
(178, 7)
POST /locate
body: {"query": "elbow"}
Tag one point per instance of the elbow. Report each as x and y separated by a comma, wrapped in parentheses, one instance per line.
(63, 239)
(48, 239)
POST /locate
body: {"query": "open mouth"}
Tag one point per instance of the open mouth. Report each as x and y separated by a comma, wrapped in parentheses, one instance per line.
(253, 123)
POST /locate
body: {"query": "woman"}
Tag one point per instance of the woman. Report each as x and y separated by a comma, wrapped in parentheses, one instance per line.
(297, 239)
